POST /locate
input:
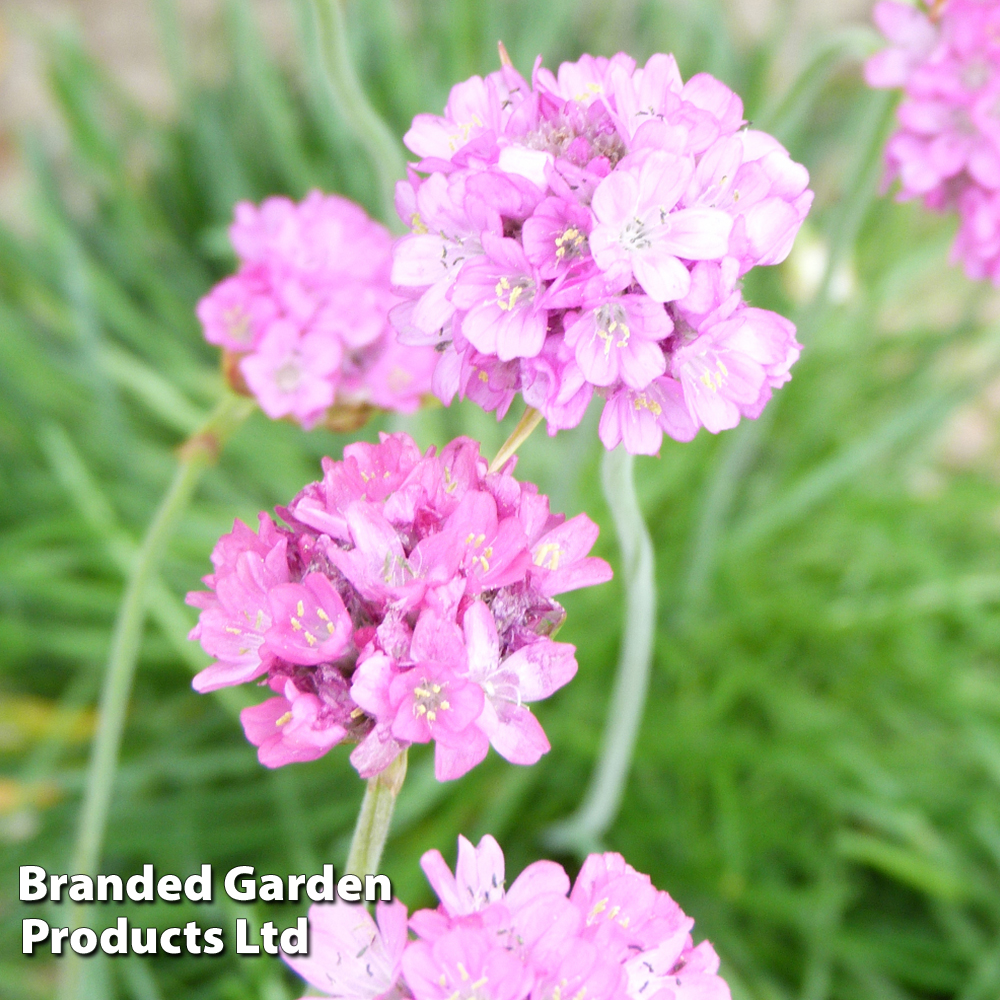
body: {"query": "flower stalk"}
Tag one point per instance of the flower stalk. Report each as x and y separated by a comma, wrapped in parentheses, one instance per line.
(375, 818)
(198, 452)
(583, 832)
(367, 127)
(530, 419)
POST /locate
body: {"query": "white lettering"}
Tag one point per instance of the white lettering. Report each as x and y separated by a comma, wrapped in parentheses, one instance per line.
(140, 887)
(248, 889)
(81, 889)
(349, 888)
(114, 940)
(384, 888)
(242, 946)
(33, 931)
(320, 888)
(169, 889)
(32, 883)
(198, 888)
(213, 941)
(295, 940)
(83, 941)
(167, 939)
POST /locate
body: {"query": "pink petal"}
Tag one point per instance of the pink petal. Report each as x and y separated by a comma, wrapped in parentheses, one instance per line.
(662, 276)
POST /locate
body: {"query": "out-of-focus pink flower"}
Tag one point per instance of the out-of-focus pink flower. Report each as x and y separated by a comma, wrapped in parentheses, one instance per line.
(407, 598)
(238, 310)
(558, 229)
(304, 321)
(947, 148)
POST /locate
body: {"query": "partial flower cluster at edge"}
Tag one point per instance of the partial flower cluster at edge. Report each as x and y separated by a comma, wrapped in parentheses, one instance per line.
(611, 936)
(405, 598)
(946, 151)
(586, 234)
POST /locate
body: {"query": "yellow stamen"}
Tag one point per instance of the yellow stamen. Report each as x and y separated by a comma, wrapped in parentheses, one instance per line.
(714, 380)
(643, 402)
(569, 242)
(503, 288)
(548, 556)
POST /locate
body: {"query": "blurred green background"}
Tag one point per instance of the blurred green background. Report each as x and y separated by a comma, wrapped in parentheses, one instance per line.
(818, 773)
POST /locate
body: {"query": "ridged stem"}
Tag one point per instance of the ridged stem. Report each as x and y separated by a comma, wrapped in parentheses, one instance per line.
(374, 819)
(365, 123)
(199, 451)
(584, 830)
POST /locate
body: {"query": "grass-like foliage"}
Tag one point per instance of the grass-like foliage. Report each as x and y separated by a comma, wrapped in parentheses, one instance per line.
(818, 777)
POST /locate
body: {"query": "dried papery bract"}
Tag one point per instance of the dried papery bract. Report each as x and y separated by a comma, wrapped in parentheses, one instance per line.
(586, 234)
(611, 936)
(406, 598)
(946, 150)
(303, 323)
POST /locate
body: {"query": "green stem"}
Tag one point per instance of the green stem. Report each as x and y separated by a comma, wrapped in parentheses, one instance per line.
(530, 419)
(372, 828)
(583, 832)
(200, 450)
(368, 128)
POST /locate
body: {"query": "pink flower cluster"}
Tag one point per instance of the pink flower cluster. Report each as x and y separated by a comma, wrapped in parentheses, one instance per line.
(613, 936)
(588, 233)
(305, 317)
(947, 148)
(408, 598)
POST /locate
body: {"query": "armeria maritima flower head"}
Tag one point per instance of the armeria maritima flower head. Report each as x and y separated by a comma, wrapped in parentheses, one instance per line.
(612, 936)
(405, 598)
(946, 59)
(587, 234)
(304, 322)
